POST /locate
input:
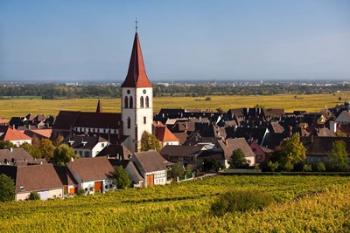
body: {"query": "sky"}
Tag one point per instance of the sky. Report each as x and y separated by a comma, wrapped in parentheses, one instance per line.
(91, 40)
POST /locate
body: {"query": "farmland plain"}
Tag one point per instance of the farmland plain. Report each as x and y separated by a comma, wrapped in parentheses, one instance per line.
(314, 102)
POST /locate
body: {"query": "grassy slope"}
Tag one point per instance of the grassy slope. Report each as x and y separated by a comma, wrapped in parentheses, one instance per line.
(304, 204)
(19, 107)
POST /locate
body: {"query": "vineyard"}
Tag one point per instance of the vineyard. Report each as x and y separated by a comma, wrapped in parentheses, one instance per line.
(301, 204)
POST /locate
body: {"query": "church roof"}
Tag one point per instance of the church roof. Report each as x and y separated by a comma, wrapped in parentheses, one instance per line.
(136, 76)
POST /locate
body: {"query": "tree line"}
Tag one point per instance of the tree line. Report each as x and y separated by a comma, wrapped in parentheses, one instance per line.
(55, 91)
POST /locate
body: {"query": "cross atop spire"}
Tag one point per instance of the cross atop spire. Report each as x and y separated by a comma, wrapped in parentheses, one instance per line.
(136, 25)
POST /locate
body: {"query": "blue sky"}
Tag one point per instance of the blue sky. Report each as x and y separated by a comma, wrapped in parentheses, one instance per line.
(181, 40)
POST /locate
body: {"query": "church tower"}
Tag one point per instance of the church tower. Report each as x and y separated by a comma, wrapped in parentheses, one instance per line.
(136, 99)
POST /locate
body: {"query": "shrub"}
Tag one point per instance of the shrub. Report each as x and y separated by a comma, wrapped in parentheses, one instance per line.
(34, 196)
(80, 192)
(240, 201)
(307, 168)
(272, 166)
(320, 167)
(7, 188)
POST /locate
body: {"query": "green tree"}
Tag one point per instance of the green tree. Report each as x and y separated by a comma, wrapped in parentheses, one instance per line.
(292, 152)
(6, 145)
(46, 149)
(62, 155)
(238, 159)
(149, 142)
(177, 170)
(7, 188)
(120, 178)
(338, 158)
(32, 150)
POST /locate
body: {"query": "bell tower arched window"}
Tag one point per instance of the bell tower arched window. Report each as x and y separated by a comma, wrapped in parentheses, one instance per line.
(129, 123)
(126, 102)
(131, 102)
(147, 102)
(142, 104)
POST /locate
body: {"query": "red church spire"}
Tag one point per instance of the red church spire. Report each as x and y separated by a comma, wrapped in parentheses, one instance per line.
(136, 76)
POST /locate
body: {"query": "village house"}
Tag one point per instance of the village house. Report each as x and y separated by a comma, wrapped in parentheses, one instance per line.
(147, 169)
(87, 146)
(41, 179)
(232, 144)
(164, 135)
(16, 137)
(92, 174)
(185, 155)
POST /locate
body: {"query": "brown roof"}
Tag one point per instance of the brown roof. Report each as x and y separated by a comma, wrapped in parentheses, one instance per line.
(68, 119)
(118, 151)
(273, 112)
(180, 150)
(14, 154)
(35, 178)
(276, 127)
(182, 136)
(65, 175)
(231, 144)
(90, 169)
(150, 161)
(41, 133)
(136, 76)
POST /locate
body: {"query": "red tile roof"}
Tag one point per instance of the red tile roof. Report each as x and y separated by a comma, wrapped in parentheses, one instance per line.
(163, 134)
(13, 135)
(136, 76)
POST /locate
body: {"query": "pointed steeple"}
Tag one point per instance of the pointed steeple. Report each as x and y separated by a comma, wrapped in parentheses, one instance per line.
(99, 107)
(136, 76)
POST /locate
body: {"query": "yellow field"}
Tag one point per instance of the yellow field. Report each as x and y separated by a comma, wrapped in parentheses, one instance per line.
(20, 107)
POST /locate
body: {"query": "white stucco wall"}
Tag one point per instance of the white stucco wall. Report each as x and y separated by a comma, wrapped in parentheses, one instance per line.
(44, 194)
(160, 177)
(20, 142)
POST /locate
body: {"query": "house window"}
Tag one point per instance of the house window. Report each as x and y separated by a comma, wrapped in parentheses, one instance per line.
(131, 102)
(128, 91)
(142, 104)
(126, 102)
(144, 120)
(129, 123)
(147, 102)
(87, 153)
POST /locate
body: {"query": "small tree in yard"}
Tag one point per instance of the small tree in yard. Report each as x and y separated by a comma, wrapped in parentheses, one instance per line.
(7, 188)
(149, 142)
(338, 158)
(120, 178)
(46, 148)
(62, 155)
(238, 159)
(32, 150)
(177, 170)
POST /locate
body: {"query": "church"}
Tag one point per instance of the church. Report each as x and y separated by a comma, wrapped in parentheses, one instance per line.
(124, 128)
